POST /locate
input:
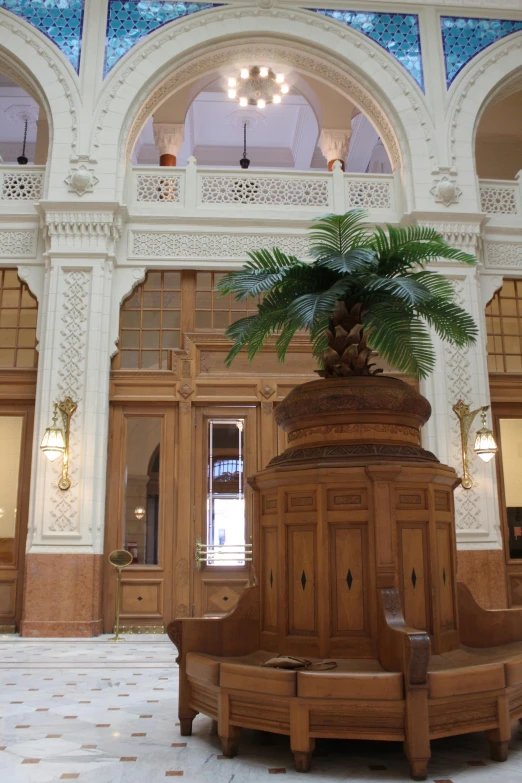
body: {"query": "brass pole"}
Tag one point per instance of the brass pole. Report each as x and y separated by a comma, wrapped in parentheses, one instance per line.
(116, 637)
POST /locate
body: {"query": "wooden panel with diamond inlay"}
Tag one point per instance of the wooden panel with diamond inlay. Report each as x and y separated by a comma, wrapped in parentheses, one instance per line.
(269, 578)
(302, 568)
(220, 596)
(412, 541)
(349, 568)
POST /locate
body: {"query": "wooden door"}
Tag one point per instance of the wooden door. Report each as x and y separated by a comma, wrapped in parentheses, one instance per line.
(16, 433)
(225, 455)
(507, 422)
(141, 514)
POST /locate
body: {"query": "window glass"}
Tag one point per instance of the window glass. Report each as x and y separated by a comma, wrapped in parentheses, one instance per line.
(10, 448)
(142, 489)
(511, 444)
(226, 492)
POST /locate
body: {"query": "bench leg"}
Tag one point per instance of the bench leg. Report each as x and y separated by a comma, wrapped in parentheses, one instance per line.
(185, 726)
(185, 712)
(417, 741)
(499, 738)
(230, 742)
(229, 735)
(301, 743)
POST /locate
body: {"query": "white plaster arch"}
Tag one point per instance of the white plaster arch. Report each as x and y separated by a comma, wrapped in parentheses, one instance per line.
(344, 58)
(35, 63)
(495, 71)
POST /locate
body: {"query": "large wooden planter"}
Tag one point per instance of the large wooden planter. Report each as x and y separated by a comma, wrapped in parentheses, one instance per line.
(355, 553)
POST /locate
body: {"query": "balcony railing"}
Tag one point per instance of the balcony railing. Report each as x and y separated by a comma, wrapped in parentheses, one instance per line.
(273, 193)
(21, 183)
(502, 199)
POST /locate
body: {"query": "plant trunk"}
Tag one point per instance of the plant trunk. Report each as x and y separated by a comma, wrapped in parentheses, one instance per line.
(347, 353)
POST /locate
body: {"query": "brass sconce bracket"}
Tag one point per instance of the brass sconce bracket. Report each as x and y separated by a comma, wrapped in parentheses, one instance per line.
(56, 439)
(466, 417)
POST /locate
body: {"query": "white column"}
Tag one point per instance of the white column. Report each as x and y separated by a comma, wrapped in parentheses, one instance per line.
(168, 137)
(463, 374)
(334, 145)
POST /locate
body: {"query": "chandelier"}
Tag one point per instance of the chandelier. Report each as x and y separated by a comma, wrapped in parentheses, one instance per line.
(257, 86)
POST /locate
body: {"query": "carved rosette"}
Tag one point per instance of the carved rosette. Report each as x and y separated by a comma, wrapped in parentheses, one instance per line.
(353, 418)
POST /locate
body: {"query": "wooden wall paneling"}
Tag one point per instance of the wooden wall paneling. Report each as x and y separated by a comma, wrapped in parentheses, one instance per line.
(141, 598)
(302, 579)
(443, 567)
(220, 595)
(270, 584)
(12, 559)
(383, 514)
(115, 514)
(348, 564)
(184, 534)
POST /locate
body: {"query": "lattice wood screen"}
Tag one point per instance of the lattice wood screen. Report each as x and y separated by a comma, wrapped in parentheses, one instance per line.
(504, 328)
(153, 316)
(18, 316)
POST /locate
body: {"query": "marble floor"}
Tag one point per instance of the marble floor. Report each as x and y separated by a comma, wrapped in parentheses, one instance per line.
(98, 712)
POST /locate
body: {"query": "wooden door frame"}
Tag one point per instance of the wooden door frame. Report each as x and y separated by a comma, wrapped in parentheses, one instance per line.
(235, 575)
(115, 509)
(24, 410)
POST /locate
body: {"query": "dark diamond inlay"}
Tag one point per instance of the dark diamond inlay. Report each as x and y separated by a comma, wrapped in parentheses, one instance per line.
(225, 598)
(140, 598)
(349, 579)
(271, 578)
(444, 576)
(413, 578)
(303, 580)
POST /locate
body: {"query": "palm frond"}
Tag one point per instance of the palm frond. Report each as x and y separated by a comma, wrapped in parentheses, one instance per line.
(401, 338)
(451, 322)
(357, 260)
(265, 270)
(337, 234)
(306, 309)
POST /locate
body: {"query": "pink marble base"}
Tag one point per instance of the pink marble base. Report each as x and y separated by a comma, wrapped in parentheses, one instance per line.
(62, 595)
(484, 572)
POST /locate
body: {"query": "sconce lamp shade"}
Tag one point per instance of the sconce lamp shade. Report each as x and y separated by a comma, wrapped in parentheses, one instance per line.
(485, 445)
(53, 443)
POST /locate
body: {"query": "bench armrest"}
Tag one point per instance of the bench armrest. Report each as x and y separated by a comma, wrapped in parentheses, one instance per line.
(486, 627)
(401, 648)
(236, 633)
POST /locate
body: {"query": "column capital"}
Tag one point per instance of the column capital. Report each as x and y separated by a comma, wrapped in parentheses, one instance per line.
(462, 230)
(168, 137)
(334, 144)
(93, 227)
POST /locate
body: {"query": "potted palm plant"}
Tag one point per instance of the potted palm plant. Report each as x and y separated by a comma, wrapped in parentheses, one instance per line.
(365, 292)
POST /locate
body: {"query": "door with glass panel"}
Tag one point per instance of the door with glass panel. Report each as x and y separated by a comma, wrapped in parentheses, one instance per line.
(16, 429)
(140, 514)
(225, 456)
(508, 432)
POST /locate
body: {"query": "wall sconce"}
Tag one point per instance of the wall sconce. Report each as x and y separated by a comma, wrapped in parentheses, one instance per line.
(485, 445)
(139, 512)
(55, 442)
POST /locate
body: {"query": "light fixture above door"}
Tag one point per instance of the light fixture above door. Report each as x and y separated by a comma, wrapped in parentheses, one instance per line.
(257, 86)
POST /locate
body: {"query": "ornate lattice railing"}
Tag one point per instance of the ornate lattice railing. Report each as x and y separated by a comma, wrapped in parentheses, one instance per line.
(21, 183)
(282, 193)
(500, 197)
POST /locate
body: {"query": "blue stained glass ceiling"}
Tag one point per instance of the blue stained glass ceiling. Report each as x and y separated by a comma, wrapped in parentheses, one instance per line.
(464, 37)
(59, 20)
(128, 21)
(399, 34)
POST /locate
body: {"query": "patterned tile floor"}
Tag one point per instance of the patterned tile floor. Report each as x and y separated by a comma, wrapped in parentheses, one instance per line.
(98, 712)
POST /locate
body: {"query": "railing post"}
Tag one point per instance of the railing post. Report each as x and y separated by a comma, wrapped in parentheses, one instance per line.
(339, 200)
(191, 184)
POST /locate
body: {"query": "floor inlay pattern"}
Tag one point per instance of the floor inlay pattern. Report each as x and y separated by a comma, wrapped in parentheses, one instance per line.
(114, 721)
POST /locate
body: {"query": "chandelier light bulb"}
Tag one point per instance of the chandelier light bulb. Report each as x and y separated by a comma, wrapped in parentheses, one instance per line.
(232, 93)
(263, 72)
(232, 82)
(261, 104)
(243, 102)
(244, 73)
(280, 78)
(284, 88)
(276, 98)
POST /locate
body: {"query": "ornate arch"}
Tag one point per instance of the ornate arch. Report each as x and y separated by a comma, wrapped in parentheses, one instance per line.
(494, 73)
(345, 59)
(33, 62)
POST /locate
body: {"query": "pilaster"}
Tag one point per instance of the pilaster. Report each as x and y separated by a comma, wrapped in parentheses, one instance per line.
(74, 330)
(463, 374)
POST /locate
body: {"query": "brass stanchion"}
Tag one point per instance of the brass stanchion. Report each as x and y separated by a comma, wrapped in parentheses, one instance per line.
(120, 559)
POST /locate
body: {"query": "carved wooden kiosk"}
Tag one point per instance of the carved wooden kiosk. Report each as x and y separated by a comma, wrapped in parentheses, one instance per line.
(355, 551)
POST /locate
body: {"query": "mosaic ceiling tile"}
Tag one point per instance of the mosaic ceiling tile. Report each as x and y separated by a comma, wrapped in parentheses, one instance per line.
(128, 21)
(60, 20)
(398, 34)
(464, 37)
